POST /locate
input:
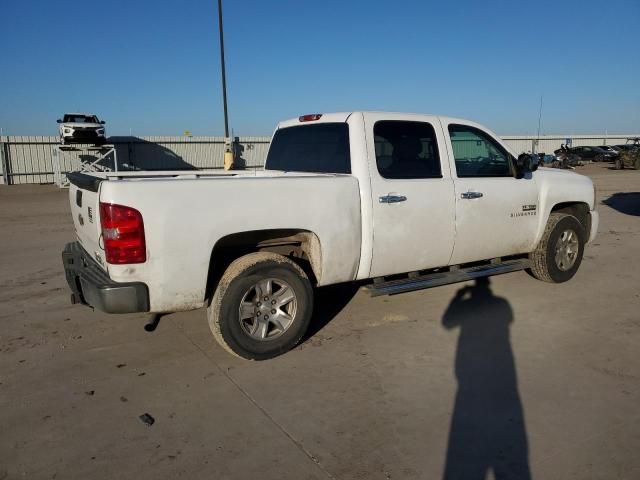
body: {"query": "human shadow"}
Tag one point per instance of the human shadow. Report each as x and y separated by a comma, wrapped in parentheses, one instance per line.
(488, 429)
(625, 202)
(240, 163)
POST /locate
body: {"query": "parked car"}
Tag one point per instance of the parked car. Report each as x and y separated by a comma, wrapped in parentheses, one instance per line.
(407, 201)
(81, 128)
(594, 154)
(608, 148)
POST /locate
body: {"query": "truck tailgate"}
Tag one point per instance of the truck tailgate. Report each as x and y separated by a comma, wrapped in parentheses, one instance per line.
(85, 211)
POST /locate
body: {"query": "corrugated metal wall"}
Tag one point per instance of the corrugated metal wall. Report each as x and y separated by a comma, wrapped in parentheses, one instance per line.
(31, 159)
(549, 143)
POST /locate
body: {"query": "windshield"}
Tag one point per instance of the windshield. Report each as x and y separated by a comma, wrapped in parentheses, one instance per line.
(320, 148)
(80, 119)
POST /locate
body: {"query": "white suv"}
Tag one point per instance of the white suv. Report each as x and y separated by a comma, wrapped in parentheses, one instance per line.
(81, 128)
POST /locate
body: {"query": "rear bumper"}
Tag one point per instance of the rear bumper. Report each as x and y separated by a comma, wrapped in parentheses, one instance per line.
(90, 285)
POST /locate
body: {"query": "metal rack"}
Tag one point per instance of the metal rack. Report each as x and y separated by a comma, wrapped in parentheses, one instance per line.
(100, 152)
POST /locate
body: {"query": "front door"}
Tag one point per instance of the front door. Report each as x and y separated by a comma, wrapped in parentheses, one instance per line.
(413, 198)
(496, 213)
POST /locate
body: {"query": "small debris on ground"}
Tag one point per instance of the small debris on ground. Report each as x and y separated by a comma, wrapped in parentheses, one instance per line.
(124, 399)
(120, 365)
(90, 393)
(148, 419)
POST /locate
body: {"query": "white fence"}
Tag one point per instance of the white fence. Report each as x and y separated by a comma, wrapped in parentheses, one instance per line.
(549, 143)
(29, 159)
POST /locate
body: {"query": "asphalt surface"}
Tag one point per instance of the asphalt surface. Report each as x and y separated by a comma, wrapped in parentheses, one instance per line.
(517, 379)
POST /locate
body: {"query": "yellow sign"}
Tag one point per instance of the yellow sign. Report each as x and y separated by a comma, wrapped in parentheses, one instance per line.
(187, 133)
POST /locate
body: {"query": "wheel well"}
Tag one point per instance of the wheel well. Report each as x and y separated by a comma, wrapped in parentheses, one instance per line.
(579, 210)
(301, 246)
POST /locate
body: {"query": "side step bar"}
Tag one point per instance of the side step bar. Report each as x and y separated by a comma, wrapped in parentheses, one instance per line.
(430, 280)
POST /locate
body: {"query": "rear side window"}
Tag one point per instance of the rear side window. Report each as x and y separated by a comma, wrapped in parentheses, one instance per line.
(320, 148)
(406, 150)
(477, 154)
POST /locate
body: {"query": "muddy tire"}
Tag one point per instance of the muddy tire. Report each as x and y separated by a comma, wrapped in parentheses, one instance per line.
(636, 164)
(261, 307)
(559, 252)
(619, 165)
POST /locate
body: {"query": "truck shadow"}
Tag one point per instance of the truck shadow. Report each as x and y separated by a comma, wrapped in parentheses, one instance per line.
(625, 202)
(487, 429)
(328, 303)
(135, 153)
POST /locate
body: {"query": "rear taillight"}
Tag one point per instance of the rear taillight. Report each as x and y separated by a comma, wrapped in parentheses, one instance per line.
(122, 234)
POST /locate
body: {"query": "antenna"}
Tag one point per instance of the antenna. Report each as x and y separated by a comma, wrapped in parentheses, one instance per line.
(539, 119)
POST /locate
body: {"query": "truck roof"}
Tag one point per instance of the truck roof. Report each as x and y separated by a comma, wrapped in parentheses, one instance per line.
(339, 117)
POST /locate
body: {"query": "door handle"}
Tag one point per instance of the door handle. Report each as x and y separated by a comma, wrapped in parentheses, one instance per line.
(392, 198)
(470, 195)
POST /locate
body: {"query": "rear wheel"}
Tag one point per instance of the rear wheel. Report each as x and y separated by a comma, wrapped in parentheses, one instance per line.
(636, 164)
(559, 252)
(261, 307)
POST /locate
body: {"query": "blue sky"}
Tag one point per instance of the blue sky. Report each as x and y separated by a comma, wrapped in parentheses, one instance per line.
(153, 66)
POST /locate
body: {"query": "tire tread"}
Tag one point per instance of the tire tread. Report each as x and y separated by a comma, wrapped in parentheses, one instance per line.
(539, 257)
(238, 267)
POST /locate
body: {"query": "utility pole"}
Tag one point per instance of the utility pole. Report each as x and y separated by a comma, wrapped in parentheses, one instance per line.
(228, 154)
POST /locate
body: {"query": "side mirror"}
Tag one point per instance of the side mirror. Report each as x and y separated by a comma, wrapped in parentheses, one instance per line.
(102, 122)
(526, 163)
(58, 121)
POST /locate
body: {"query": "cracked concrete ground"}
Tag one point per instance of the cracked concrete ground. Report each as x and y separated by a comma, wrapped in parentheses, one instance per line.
(533, 379)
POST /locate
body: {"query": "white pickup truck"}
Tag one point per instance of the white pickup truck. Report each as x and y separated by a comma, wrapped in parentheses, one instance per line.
(410, 201)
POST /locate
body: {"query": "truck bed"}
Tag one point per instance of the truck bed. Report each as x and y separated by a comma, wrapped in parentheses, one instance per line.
(186, 213)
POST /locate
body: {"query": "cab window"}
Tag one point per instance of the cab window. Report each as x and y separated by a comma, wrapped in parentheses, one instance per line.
(406, 150)
(319, 148)
(477, 154)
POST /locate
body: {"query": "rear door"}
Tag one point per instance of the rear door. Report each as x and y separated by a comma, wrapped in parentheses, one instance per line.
(412, 194)
(496, 213)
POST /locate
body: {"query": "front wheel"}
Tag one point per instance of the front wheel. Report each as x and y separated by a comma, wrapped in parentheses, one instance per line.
(559, 253)
(261, 307)
(619, 165)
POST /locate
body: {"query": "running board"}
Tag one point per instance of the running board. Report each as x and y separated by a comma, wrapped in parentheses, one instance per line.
(430, 280)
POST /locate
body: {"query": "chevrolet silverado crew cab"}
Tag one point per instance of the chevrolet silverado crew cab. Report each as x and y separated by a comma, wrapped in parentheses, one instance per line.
(409, 201)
